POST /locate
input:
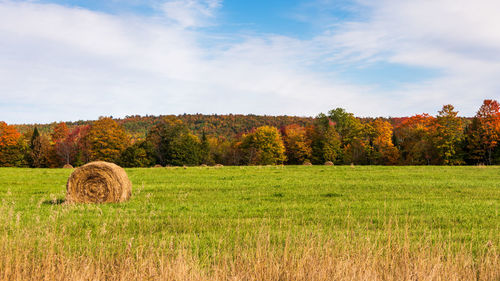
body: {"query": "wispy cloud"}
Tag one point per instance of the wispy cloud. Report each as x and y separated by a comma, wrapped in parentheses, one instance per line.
(459, 38)
(190, 13)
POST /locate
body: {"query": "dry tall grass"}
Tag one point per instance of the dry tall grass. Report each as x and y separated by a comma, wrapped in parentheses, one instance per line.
(315, 258)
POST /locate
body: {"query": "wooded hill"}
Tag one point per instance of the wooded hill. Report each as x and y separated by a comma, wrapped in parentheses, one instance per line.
(227, 126)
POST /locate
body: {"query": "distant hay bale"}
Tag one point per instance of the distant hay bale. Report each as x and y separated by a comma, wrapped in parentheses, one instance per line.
(307, 163)
(67, 166)
(352, 165)
(98, 182)
(328, 163)
(203, 165)
(158, 166)
(219, 165)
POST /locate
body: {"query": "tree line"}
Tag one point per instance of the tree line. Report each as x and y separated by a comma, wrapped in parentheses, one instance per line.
(337, 137)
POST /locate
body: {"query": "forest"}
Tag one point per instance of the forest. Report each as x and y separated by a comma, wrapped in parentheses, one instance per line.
(337, 137)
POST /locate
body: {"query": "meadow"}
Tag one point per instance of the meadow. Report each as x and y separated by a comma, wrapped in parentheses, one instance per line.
(257, 223)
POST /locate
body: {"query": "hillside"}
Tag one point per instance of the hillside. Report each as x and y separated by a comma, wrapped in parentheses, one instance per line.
(217, 125)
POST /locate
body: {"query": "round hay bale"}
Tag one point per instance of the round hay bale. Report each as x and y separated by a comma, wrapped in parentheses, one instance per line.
(203, 165)
(158, 166)
(219, 165)
(67, 166)
(98, 182)
(328, 163)
(307, 163)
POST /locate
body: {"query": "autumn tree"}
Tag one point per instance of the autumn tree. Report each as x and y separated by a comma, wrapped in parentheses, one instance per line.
(62, 148)
(297, 144)
(80, 154)
(448, 136)
(263, 146)
(106, 140)
(60, 132)
(224, 151)
(483, 134)
(381, 148)
(414, 139)
(12, 152)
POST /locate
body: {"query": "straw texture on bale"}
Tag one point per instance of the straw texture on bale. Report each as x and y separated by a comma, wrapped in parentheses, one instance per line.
(67, 166)
(328, 163)
(307, 163)
(98, 182)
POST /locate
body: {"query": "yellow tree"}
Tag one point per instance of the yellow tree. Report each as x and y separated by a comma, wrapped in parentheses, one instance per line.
(383, 150)
(297, 144)
(263, 146)
(106, 140)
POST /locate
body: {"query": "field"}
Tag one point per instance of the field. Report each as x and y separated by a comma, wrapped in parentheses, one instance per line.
(257, 223)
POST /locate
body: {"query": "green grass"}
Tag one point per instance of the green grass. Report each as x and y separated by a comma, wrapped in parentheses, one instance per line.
(216, 209)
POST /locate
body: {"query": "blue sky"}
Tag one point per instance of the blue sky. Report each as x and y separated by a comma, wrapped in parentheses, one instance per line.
(69, 60)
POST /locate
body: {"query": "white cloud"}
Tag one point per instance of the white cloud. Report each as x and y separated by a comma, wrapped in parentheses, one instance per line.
(61, 63)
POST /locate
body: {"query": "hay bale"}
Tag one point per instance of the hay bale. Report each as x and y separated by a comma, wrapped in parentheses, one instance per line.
(203, 165)
(158, 166)
(67, 166)
(307, 163)
(98, 182)
(219, 165)
(328, 163)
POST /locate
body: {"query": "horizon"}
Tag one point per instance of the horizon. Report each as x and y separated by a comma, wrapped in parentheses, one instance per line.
(76, 60)
(212, 114)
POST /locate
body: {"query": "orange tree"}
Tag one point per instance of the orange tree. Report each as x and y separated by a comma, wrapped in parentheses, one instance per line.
(297, 145)
(414, 139)
(12, 147)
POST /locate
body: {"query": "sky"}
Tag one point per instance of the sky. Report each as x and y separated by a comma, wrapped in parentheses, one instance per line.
(64, 60)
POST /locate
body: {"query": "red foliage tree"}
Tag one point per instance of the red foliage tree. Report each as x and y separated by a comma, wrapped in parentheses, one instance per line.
(414, 139)
(483, 134)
